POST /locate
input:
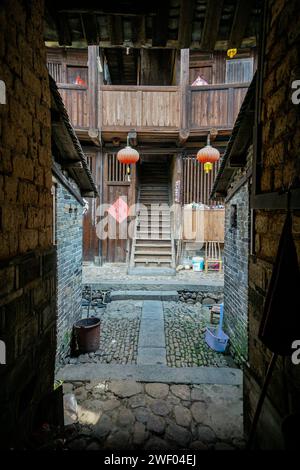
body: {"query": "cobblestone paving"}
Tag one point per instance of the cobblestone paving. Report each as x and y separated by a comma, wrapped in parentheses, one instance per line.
(118, 272)
(154, 416)
(119, 331)
(185, 330)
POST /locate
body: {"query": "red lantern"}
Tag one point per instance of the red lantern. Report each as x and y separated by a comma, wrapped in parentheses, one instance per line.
(208, 155)
(128, 155)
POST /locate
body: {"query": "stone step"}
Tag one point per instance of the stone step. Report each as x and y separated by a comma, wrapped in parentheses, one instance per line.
(157, 221)
(153, 244)
(150, 237)
(162, 258)
(153, 251)
(148, 263)
(154, 271)
(144, 295)
(154, 228)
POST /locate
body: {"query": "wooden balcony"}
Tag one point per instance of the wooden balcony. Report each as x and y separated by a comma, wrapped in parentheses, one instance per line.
(155, 113)
(75, 98)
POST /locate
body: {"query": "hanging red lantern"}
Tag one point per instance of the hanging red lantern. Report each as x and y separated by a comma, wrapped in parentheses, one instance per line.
(128, 155)
(208, 155)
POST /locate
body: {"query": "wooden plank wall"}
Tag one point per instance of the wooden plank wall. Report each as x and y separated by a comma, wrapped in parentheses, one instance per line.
(76, 102)
(140, 106)
(91, 244)
(203, 225)
(215, 105)
(197, 185)
(114, 187)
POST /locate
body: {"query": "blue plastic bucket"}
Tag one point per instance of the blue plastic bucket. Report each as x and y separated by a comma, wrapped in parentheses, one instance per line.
(216, 340)
(215, 337)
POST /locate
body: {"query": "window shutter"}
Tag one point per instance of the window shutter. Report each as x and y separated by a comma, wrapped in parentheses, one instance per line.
(239, 70)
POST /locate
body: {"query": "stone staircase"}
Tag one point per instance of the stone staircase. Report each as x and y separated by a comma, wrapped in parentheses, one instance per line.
(153, 245)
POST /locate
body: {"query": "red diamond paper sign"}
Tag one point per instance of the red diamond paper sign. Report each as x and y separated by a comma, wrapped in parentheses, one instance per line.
(119, 210)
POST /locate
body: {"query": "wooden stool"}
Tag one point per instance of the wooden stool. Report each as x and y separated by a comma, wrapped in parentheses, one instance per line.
(215, 310)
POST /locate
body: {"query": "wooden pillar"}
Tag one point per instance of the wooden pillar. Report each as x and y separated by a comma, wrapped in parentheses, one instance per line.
(184, 95)
(93, 91)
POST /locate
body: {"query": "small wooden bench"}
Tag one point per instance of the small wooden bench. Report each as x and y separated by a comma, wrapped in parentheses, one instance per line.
(215, 310)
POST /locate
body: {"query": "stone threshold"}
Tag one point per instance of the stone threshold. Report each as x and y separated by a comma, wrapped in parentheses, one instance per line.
(152, 373)
(160, 285)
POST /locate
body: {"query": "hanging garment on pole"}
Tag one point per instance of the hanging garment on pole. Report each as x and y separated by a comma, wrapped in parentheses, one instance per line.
(280, 324)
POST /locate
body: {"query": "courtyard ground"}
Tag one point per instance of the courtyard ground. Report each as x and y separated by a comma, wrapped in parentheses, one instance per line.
(92, 274)
(153, 383)
(155, 416)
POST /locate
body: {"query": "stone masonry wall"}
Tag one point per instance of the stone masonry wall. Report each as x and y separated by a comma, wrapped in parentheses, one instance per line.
(69, 267)
(27, 257)
(281, 162)
(236, 247)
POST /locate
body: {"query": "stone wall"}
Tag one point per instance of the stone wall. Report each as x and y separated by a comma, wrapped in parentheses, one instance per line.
(69, 267)
(236, 249)
(281, 162)
(27, 257)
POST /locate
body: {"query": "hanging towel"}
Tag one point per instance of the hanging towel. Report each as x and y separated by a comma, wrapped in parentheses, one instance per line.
(280, 324)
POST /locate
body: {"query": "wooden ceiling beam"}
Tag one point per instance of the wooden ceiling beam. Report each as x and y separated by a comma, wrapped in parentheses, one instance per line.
(90, 28)
(211, 25)
(116, 30)
(240, 23)
(160, 25)
(120, 62)
(185, 23)
(112, 7)
(139, 30)
(60, 20)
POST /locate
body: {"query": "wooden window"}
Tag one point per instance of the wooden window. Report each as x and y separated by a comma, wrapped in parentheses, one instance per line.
(116, 170)
(55, 70)
(205, 72)
(239, 70)
(197, 185)
(77, 75)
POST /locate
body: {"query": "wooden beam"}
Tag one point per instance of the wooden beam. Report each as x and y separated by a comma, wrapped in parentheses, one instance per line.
(185, 23)
(119, 53)
(139, 30)
(240, 23)
(160, 25)
(211, 25)
(93, 53)
(184, 95)
(116, 30)
(90, 28)
(62, 26)
(111, 7)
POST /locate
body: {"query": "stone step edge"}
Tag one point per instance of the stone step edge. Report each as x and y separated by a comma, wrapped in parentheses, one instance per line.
(152, 373)
(141, 295)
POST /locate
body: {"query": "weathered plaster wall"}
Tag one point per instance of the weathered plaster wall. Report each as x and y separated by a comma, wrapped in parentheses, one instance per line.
(27, 257)
(281, 162)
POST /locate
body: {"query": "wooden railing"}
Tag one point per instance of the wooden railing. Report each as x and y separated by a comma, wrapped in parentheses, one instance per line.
(140, 106)
(215, 105)
(154, 107)
(75, 99)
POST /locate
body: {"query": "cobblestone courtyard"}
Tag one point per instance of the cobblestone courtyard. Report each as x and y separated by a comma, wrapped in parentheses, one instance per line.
(184, 329)
(154, 416)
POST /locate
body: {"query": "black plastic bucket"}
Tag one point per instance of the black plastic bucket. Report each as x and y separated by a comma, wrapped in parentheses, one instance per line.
(87, 334)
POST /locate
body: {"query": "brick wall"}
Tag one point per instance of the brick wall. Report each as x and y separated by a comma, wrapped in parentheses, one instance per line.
(69, 267)
(27, 258)
(236, 249)
(281, 162)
